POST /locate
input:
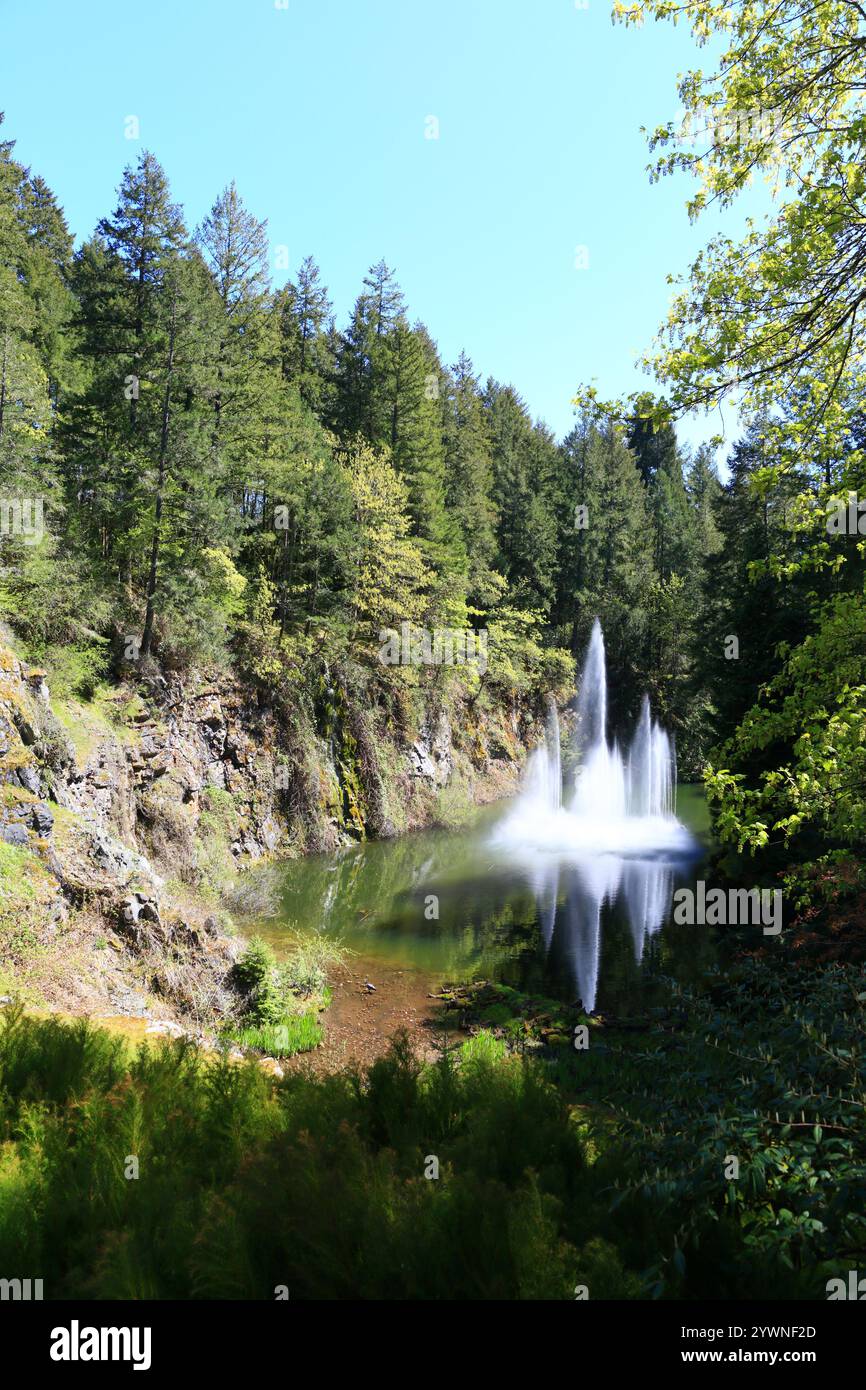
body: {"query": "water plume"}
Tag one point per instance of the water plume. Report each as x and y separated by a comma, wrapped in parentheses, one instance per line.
(617, 802)
(609, 837)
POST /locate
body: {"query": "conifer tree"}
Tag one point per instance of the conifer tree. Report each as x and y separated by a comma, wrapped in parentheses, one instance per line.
(241, 353)
(525, 465)
(469, 478)
(307, 337)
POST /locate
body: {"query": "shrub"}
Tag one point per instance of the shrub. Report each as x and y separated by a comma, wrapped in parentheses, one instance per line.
(258, 980)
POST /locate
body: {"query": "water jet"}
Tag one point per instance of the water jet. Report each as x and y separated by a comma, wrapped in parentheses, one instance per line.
(612, 834)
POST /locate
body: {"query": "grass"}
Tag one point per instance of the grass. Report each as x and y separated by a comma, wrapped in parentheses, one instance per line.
(219, 823)
(296, 1033)
(309, 961)
(454, 806)
(83, 723)
(25, 892)
(604, 1169)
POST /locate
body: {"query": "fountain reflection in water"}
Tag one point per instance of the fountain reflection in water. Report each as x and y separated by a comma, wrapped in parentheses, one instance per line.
(618, 838)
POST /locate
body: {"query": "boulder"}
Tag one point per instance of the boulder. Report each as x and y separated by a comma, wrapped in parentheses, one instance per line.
(42, 819)
(140, 908)
(15, 835)
(28, 778)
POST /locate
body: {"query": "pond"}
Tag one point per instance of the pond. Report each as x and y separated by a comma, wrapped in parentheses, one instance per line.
(593, 928)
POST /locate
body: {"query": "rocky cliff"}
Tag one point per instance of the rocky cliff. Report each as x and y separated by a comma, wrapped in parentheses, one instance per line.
(124, 820)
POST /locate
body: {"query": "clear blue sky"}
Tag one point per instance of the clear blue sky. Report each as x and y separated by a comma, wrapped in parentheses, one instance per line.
(319, 111)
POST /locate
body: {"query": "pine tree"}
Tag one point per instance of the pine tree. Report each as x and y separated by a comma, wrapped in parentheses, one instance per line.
(143, 429)
(363, 366)
(614, 573)
(746, 611)
(661, 468)
(409, 422)
(33, 301)
(145, 238)
(525, 466)
(469, 479)
(307, 337)
(241, 354)
(578, 507)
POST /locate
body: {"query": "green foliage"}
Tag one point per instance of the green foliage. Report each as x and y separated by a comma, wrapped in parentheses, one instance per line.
(305, 968)
(244, 1185)
(280, 999)
(766, 1065)
(77, 670)
(773, 317)
(25, 896)
(454, 806)
(218, 826)
(257, 978)
(295, 1033)
(319, 1184)
(812, 716)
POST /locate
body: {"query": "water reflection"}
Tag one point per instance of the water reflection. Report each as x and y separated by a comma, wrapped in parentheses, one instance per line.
(571, 895)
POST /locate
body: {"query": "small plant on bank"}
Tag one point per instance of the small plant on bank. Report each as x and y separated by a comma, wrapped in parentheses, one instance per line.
(281, 1000)
(258, 978)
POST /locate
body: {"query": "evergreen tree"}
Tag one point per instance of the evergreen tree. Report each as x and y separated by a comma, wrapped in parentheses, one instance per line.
(661, 468)
(307, 337)
(609, 571)
(241, 352)
(747, 611)
(142, 432)
(525, 464)
(362, 365)
(469, 479)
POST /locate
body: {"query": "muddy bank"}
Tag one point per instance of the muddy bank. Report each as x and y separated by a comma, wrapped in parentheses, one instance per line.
(360, 1021)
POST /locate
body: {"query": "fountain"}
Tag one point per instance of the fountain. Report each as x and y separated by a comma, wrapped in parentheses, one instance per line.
(542, 780)
(618, 804)
(614, 837)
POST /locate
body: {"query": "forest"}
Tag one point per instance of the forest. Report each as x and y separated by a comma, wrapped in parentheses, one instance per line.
(204, 473)
(224, 476)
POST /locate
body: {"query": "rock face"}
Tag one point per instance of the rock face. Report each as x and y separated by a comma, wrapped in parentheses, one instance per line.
(193, 778)
(74, 806)
(432, 754)
(140, 908)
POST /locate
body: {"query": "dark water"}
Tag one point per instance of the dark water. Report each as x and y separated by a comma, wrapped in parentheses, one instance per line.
(595, 929)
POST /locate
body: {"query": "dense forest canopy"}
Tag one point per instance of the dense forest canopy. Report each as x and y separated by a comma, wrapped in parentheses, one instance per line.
(226, 473)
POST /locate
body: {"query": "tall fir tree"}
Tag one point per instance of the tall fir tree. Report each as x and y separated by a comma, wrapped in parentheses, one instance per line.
(469, 479)
(307, 338)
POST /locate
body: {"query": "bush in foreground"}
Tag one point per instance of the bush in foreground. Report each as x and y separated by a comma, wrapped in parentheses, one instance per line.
(484, 1175)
